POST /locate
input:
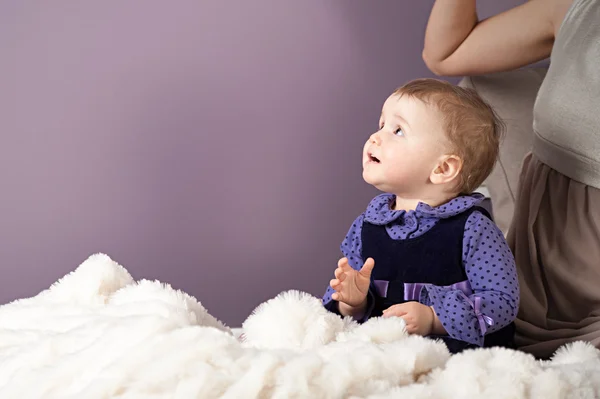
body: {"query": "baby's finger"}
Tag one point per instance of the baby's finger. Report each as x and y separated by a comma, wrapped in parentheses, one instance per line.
(410, 328)
(334, 283)
(399, 308)
(337, 296)
(340, 274)
(344, 265)
(367, 268)
(394, 310)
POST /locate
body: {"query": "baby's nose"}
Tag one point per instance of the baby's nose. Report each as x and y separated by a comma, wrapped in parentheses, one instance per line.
(375, 138)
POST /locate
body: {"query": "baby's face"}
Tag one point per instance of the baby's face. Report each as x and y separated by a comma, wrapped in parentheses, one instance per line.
(401, 155)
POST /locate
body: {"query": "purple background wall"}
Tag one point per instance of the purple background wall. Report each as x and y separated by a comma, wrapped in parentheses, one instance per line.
(212, 145)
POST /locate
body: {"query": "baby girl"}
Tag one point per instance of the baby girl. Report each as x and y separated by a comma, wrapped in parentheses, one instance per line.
(425, 250)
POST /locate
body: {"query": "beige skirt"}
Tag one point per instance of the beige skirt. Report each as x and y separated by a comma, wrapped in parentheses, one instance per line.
(555, 237)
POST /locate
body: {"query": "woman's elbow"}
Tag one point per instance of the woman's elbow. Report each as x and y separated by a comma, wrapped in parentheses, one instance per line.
(433, 65)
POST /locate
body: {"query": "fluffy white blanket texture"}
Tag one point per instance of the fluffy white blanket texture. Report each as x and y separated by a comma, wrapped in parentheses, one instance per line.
(98, 333)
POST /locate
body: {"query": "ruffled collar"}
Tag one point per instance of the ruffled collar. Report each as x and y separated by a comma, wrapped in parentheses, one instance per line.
(379, 211)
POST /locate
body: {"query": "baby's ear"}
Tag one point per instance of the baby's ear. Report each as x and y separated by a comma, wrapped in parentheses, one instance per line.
(447, 169)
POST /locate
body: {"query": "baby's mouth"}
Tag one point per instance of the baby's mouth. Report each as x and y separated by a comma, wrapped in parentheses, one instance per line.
(373, 158)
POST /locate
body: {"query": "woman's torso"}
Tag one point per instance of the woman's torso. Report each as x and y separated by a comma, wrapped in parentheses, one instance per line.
(567, 109)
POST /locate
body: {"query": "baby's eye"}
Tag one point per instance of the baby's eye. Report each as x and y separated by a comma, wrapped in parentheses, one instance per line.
(399, 132)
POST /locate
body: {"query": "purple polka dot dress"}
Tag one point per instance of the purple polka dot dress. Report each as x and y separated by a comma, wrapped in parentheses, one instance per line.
(486, 302)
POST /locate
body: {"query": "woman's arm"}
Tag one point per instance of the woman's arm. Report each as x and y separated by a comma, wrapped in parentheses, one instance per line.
(456, 43)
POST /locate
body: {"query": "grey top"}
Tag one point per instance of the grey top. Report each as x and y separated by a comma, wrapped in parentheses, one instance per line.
(567, 109)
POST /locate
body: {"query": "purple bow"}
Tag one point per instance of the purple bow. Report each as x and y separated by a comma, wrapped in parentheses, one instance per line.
(484, 321)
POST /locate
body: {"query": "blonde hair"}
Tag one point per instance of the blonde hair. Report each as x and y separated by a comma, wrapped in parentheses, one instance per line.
(471, 125)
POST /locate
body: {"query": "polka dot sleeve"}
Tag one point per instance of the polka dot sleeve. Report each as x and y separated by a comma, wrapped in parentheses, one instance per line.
(490, 268)
(351, 248)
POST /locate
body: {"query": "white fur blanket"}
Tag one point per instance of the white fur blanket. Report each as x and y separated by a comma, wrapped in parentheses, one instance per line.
(97, 333)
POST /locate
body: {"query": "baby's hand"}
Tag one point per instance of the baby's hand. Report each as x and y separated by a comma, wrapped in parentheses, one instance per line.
(351, 286)
(419, 318)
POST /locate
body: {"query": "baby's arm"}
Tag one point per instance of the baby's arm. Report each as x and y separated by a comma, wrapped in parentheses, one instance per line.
(351, 248)
(491, 272)
(356, 312)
